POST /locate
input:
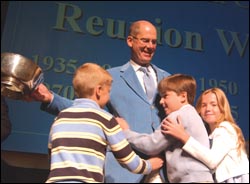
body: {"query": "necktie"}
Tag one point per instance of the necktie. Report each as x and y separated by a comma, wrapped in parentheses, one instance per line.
(148, 83)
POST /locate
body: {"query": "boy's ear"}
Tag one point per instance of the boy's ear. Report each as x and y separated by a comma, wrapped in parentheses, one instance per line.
(184, 95)
(98, 89)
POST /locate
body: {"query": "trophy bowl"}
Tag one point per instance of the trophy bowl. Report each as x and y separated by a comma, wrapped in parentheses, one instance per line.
(19, 75)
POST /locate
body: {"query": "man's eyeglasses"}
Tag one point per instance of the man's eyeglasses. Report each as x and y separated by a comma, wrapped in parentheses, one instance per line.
(145, 40)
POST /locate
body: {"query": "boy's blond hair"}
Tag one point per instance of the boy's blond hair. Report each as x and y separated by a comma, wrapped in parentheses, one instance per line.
(87, 77)
(179, 83)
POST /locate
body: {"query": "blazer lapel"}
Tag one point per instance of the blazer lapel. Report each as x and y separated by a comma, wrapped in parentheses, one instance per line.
(159, 73)
(129, 76)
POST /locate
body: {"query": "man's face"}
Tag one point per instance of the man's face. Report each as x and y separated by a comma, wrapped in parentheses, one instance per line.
(143, 45)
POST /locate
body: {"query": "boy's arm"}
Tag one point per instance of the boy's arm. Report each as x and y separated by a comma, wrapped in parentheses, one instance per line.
(57, 104)
(125, 155)
(51, 102)
(149, 144)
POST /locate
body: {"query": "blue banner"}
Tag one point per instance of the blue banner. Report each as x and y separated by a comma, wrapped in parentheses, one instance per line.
(206, 39)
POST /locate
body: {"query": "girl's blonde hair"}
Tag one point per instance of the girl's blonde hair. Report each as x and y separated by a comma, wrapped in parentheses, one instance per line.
(87, 77)
(225, 110)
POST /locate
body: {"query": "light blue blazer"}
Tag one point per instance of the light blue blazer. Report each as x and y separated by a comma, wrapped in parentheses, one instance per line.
(128, 99)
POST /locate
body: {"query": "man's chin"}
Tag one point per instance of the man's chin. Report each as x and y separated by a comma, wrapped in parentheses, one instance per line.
(147, 61)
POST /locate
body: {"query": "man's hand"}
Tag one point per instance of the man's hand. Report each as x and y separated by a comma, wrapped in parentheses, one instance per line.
(41, 94)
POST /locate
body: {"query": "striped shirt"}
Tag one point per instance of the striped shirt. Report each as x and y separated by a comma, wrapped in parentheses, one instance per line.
(79, 139)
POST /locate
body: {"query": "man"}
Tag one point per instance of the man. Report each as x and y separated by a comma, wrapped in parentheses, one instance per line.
(128, 98)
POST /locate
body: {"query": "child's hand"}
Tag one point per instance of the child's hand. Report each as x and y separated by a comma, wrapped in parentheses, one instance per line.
(174, 128)
(156, 162)
(122, 122)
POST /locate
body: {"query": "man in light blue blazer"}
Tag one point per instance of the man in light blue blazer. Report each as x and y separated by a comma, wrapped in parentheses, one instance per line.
(130, 102)
(128, 97)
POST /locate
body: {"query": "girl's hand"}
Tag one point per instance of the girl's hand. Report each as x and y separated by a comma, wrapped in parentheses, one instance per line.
(175, 129)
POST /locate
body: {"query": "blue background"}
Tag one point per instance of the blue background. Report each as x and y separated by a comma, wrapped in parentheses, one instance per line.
(29, 31)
